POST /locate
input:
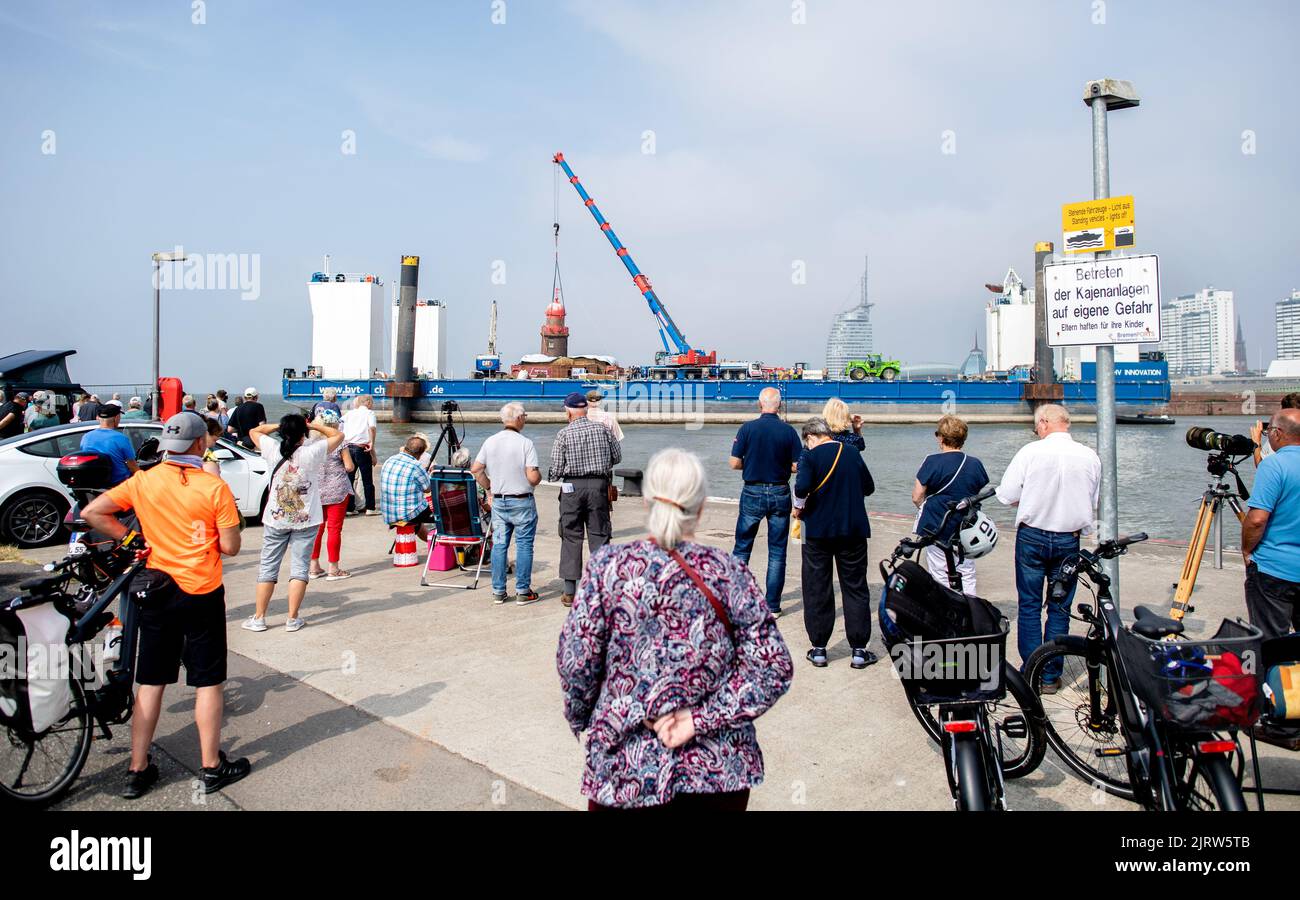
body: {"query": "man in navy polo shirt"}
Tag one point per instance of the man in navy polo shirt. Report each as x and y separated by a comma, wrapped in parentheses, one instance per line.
(765, 451)
(1270, 533)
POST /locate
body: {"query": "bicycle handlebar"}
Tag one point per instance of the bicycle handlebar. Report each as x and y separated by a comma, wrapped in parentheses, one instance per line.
(1088, 561)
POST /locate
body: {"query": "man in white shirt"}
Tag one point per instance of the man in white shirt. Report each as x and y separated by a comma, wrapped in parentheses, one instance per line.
(604, 417)
(359, 426)
(1053, 483)
(507, 468)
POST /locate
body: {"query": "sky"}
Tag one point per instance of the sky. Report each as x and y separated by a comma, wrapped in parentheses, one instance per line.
(749, 153)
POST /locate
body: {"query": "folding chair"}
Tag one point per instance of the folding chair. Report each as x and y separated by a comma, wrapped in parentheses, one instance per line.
(459, 521)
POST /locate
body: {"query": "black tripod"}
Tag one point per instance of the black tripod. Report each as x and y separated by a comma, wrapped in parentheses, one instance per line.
(447, 435)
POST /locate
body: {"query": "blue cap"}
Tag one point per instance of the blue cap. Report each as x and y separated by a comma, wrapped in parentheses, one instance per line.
(575, 400)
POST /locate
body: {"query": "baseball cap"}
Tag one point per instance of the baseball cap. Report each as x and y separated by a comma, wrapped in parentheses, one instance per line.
(181, 431)
(250, 392)
(22, 395)
(109, 409)
(594, 396)
(575, 401)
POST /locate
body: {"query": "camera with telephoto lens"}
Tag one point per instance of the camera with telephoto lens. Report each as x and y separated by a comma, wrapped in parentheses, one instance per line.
(1216, 442)
(450, 406)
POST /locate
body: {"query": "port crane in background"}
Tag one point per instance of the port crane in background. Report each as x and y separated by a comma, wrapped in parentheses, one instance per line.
(680, 360)
(486, 365)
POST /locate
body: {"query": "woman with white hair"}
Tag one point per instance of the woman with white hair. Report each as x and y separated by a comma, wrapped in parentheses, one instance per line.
(666, 658)
(328, 401)
(40, 412)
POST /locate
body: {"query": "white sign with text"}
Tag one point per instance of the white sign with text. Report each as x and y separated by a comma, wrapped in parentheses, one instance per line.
(1103, 301)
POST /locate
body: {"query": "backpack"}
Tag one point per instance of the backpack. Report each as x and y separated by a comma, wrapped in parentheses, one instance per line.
(918, 607)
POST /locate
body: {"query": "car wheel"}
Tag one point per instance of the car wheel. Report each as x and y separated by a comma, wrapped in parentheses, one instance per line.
(33, 518)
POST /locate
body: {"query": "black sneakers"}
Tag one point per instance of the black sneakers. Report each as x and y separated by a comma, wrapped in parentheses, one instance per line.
(862, 657)
(138, 783)
(817, 656)
(224, 773)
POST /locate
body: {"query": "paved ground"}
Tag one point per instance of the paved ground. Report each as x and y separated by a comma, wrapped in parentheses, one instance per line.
(397, 696)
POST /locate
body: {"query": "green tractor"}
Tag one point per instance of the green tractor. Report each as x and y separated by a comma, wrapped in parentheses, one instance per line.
(873, 368)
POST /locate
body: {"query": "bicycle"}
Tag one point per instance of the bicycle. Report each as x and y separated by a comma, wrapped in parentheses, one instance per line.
(989, 724)
(38, 767)
(1138, 712)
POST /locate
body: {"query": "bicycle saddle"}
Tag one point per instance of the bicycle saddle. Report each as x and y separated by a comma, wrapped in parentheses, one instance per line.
(1151, 624)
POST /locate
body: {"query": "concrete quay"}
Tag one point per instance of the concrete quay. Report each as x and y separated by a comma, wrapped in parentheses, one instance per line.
(401, 696)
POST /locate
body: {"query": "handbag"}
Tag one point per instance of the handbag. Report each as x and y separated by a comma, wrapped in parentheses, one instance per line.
(695, 577)
(611, 491)
(796, 530)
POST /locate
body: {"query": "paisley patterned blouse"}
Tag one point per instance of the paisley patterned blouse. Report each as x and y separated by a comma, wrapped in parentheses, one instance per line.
(640, 641)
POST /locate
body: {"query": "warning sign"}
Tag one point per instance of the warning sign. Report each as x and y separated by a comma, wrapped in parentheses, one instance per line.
(1104, 301)
(1096, 225)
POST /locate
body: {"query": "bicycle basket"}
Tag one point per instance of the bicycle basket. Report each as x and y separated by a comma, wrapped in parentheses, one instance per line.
(946, 647)
(1198, 684)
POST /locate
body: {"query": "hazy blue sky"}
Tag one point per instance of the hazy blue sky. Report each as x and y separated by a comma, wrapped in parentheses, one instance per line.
(774, 142)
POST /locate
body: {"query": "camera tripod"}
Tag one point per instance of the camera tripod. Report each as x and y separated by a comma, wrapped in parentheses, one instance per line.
(1209, 519)
(447, 435)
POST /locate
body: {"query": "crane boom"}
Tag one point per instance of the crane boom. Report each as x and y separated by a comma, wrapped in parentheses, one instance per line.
(684, 354)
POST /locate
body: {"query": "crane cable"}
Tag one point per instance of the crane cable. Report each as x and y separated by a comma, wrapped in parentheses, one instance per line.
(557, 286)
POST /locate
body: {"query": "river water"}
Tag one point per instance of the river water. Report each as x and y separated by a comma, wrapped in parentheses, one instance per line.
(1160, 478)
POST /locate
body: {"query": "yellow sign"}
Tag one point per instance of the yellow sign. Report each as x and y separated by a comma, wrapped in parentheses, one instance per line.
(1096, 225)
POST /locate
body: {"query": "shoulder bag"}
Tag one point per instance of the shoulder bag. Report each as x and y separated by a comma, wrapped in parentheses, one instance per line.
(796, 530)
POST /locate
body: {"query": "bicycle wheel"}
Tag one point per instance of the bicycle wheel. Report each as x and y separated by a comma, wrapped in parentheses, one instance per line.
(1211, 786)
(1020, 756)
(38, 768)
(1071, 731)
(968, 771)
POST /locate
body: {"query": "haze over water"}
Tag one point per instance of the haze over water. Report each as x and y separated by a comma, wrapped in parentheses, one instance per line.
(1161, 479)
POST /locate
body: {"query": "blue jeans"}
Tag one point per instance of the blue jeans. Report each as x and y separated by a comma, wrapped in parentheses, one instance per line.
(517, 516)
(770, 502)
(1039, 555)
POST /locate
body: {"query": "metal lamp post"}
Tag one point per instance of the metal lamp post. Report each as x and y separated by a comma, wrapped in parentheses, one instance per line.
(158, 260)
(1103, 95)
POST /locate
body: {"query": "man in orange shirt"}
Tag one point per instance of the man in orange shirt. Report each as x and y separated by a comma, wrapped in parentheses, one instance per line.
(189, 520)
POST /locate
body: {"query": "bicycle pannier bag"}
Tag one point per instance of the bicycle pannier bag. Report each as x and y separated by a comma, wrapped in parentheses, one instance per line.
(34, 668)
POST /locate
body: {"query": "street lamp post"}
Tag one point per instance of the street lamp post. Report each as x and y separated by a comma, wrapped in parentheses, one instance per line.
(1103, 95)
(158, 260)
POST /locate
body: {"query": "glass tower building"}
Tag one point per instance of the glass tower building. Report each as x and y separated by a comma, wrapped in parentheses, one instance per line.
(850, 336)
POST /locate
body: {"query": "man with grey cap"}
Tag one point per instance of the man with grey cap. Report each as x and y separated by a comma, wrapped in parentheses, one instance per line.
(583, 457)
(189, 521)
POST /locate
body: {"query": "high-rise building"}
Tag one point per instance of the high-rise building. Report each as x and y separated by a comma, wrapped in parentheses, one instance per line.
(850, 336)
(1198, 334)
(1287, 321)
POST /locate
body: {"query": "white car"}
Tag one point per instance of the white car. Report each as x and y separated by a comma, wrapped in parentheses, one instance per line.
(33, 501)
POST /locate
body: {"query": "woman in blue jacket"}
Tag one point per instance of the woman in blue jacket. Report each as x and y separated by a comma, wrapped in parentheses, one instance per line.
(833, 481)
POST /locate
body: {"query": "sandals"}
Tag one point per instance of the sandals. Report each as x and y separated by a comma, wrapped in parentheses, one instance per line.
(338, 576)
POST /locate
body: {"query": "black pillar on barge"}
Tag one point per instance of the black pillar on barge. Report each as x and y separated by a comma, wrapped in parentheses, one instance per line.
(402, 388)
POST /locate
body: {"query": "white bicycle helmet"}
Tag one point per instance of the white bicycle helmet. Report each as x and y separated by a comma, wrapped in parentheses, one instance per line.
(979, 537)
